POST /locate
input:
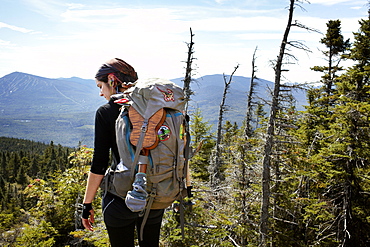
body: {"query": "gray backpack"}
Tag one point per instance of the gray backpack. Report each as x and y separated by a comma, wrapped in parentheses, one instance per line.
(151, 119)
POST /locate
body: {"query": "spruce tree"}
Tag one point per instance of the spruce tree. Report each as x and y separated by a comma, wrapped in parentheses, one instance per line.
(350, 149)
(315, 125)
(336, 45)
(335, 186)
(3, 166)
(202, 144)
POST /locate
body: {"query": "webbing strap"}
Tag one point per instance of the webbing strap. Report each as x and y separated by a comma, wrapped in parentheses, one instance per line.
(187, 153)
(182, 217)
(106, 178)
(180, 180)
(138, 148)
(152, 195)
(178, 149)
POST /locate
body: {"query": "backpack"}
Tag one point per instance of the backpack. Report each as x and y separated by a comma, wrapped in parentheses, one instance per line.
(152, 118)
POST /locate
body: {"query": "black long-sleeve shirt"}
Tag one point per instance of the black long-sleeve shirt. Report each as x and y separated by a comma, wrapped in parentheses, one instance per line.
(105, 137)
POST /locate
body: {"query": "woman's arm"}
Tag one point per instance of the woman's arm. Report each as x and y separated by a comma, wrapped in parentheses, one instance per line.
(93, 182)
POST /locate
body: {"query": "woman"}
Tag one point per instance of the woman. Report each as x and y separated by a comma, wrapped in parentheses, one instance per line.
(115, 76)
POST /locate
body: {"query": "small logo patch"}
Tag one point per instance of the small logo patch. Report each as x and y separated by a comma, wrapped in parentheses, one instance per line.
(164, 133)
(168, 96)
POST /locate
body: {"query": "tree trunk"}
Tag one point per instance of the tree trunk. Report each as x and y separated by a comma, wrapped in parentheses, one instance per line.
(216, 175)
(187, 79)
(248, 125)
(264, 223)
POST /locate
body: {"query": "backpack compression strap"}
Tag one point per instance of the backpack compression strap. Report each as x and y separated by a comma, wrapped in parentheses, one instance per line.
(144, 133)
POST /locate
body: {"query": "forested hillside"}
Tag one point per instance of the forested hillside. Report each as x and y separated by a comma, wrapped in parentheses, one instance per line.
(44, 109)
(286, 178)
(22, 163)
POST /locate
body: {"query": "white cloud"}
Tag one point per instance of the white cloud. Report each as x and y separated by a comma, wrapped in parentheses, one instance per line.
(48, 8)
(260, 36)
(15, 28)
(328, 2)
(75, 5)
(172, 20)
(4, 43)
(333, 2)
(239, 24)
(221, 1)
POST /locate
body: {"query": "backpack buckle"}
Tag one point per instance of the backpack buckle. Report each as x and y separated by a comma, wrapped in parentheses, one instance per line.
(144, 127)
(153, 192)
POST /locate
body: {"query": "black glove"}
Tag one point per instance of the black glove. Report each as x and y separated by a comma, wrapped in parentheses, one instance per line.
(86, 210)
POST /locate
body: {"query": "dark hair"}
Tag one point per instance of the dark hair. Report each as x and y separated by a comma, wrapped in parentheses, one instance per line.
(122, 70)
(122, 77)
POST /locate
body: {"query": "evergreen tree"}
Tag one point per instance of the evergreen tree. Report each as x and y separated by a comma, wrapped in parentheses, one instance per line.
(349, 152)
(21, 175)
(13, 166)
(34, 166)
(304, 159)
(3, 166)
(335, 134)
(243, 169)
(260, 116)
(202, 143)
(323, 97)
(231, 131)
(2, 189)
(336, 45)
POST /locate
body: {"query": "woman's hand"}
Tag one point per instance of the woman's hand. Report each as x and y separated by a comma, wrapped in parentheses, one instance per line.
(88, 216)
(93, 182)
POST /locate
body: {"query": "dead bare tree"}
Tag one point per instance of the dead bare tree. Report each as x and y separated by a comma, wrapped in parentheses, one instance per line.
(216, 161)
(187, 80)
(268, 147)
(253, 84)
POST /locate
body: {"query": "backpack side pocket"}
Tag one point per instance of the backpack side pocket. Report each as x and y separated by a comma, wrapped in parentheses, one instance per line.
(121, 180)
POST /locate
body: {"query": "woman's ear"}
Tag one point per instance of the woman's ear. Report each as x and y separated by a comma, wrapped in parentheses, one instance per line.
(111, 80)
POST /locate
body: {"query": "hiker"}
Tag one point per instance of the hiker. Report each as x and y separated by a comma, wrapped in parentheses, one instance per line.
(115, 77)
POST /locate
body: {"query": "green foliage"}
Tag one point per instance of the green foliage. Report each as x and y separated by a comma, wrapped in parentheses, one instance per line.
(202, 143)
(6, 222)
(39, 235)
(51, 203)
(333, 158)
(98, 238)
(56, 198)
(20, 161)
(204, 226)
(336, 46)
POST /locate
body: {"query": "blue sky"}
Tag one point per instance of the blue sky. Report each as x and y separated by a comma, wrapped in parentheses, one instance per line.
(54, 38)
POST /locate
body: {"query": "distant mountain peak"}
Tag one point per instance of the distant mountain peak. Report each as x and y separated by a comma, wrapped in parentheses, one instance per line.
(77, 79)
(17, 74)
(40, 92)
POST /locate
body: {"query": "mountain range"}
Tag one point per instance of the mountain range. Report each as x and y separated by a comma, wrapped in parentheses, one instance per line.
(62, 110)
